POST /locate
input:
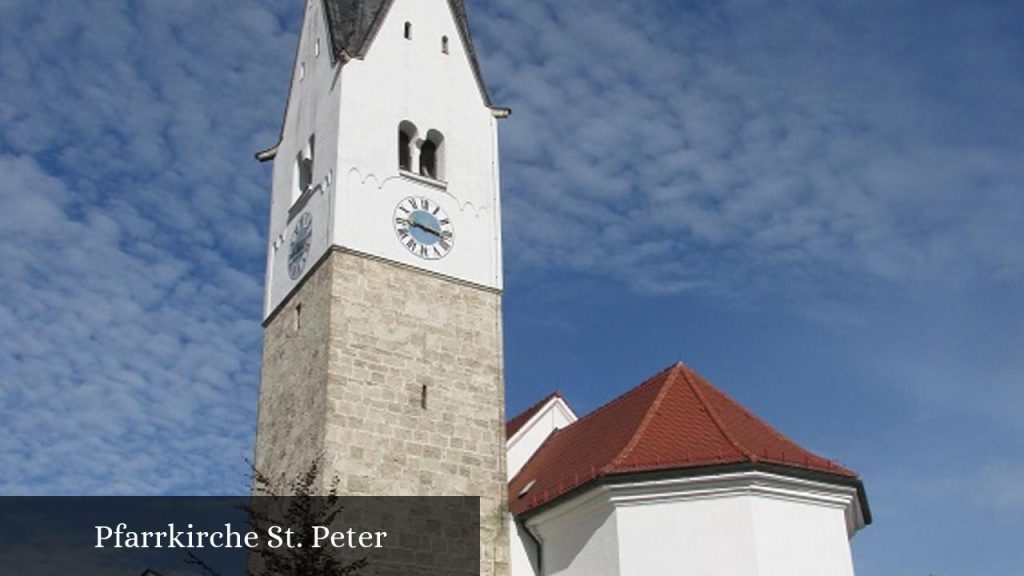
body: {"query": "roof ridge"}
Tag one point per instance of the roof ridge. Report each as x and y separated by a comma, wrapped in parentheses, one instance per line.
(631, 392)
(648, 416)
(714, 418)
(778, 433)
(518, 422)
(538, 405)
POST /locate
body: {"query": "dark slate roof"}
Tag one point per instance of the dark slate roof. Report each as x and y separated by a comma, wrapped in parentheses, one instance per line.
(353, 24)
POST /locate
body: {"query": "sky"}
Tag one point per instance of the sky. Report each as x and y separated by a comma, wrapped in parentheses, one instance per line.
(819, 206)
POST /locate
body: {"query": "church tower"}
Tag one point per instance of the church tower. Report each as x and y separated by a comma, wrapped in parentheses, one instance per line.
(382, 349)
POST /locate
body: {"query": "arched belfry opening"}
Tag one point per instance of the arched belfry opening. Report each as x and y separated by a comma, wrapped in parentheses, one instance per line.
(303, 178)
(406, 140)
(432, 156)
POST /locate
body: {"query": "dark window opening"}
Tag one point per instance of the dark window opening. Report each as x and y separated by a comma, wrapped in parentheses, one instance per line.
(428, 159)
(404, 154)
(305, 174)
(304, 168)
(408, 30)
(406, 140)
(423, 397)
(444, 44)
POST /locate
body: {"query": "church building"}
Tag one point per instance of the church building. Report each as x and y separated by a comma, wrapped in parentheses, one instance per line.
(382, 346)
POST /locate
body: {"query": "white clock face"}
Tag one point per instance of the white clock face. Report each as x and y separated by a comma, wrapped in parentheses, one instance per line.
(298, 249)
(424, 228)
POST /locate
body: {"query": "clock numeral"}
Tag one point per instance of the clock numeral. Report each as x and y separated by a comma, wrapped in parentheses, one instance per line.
(411, 244)
(444, 245)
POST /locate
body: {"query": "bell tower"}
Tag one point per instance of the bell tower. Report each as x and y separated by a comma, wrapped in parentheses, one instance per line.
(382, 350)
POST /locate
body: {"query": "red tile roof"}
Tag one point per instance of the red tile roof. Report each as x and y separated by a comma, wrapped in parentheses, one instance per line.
(676, 420)
(513, 425)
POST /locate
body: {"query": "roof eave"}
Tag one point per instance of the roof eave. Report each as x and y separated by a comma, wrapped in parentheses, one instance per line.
(612, 479)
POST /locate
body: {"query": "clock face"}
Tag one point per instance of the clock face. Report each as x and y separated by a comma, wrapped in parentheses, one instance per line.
(424, 228)
(298, 249)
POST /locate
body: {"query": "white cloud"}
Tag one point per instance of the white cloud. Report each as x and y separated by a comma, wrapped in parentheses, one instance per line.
(742, 155)
(132, 241)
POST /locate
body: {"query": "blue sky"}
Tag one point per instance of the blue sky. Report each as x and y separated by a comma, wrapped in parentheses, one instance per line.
(817, 205)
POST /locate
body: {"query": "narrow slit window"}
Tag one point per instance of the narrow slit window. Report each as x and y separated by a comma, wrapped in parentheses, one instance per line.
(408, 30)
(423, 397)
(444, 44)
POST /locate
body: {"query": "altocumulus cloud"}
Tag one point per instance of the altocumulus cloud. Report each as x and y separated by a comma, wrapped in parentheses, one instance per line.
(131, 236)
(717, 145)
(726, 147)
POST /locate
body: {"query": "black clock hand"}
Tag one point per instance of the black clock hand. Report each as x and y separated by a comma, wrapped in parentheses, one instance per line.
(417, 224)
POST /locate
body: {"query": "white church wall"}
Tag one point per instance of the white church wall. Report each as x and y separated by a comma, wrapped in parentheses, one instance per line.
(749, 523)
(800, 539)
(554, 415)
(579, 537)
(708, 537)
(523, 554)
(413, 80)
(746, 523)
(312, 111)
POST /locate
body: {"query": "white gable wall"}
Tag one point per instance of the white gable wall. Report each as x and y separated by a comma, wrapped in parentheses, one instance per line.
(552, 416)
(522, 445)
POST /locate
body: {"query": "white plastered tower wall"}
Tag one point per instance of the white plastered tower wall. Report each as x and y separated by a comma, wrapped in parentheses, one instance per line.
(312, 111)
(387, 366)
(440, 93)
(353, 113)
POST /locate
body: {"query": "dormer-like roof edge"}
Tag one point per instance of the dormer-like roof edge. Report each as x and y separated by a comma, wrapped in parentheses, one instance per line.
(522, 421)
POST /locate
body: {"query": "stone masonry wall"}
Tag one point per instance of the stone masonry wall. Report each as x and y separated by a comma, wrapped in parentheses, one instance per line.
(411, 399)
(293, 398)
